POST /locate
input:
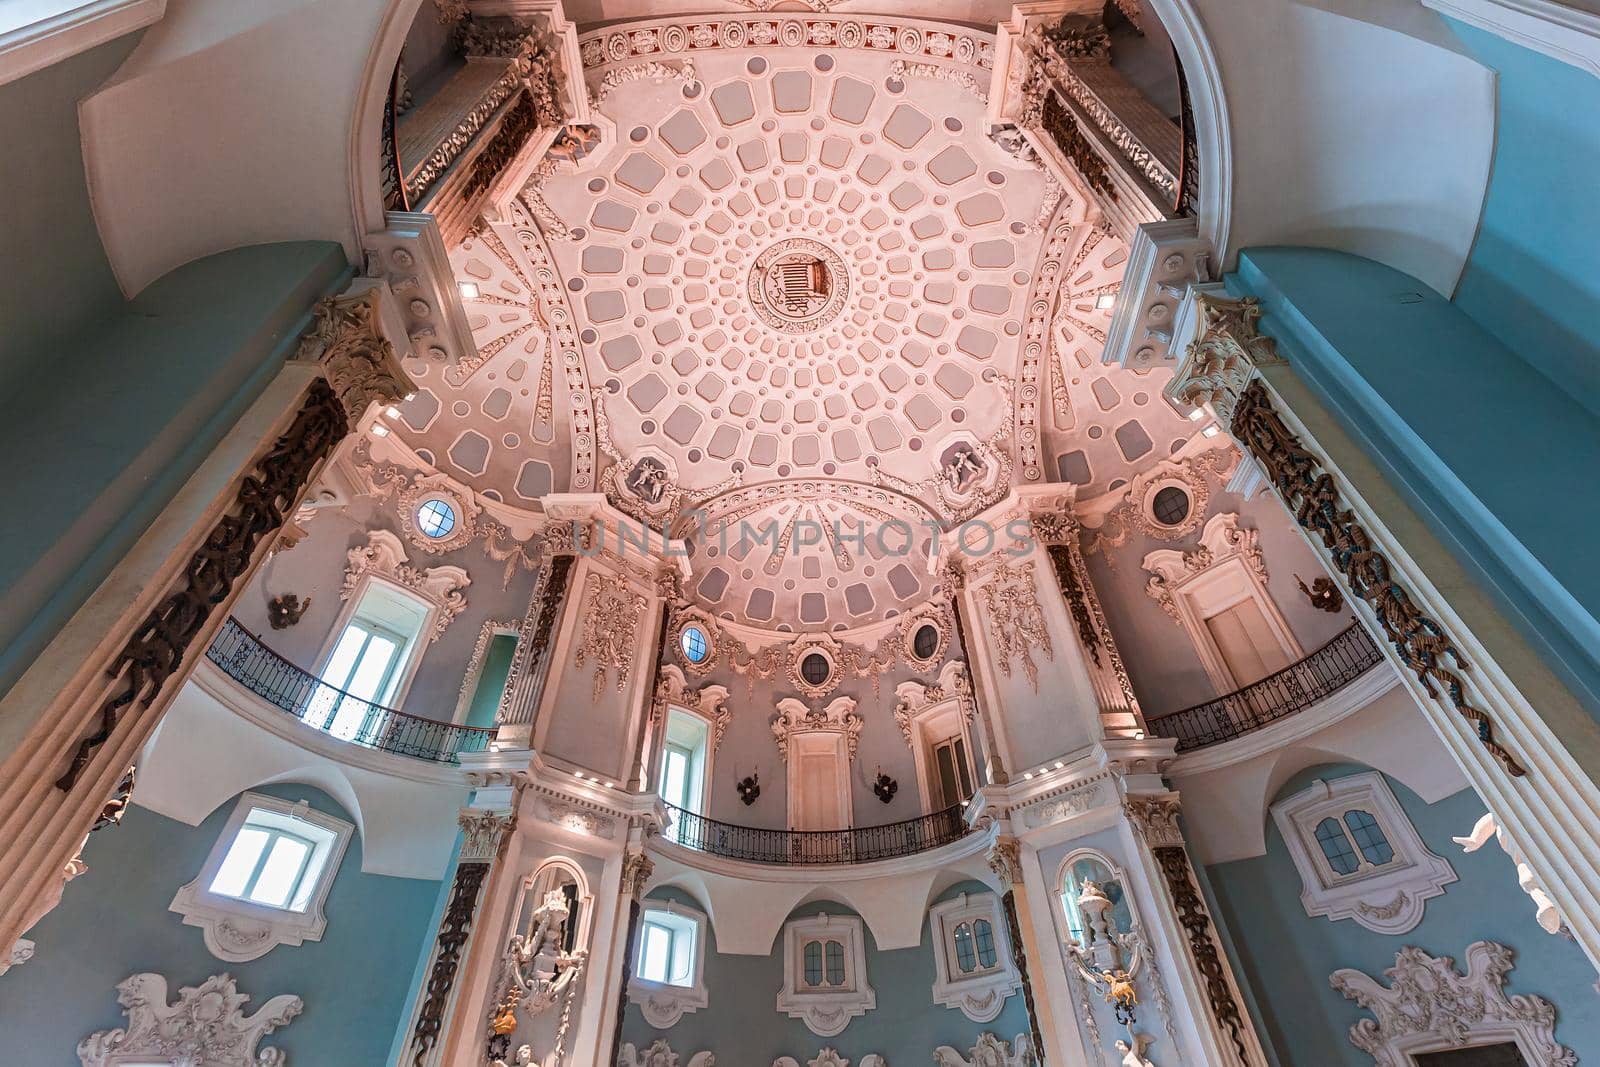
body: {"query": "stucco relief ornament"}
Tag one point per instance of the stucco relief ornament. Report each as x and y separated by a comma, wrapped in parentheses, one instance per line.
(206, 1025)
(838, 717)
(610, 626)
(1132, 514)
(1428, 1006)
(1219, 365)
(481, 833)
(990, 1051)
(538, 970)
(1546, 913)
(911, 697)
(359, 362)
(1155, 819)
(828, 1057)
(660, 1054)
(1222, 540)
(1005, 860)
(383, 554)
(710, 700)
(1016, 620)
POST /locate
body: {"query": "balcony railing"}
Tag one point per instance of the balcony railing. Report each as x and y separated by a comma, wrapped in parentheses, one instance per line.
(243, 657)
(1299, 685)
(861, 844)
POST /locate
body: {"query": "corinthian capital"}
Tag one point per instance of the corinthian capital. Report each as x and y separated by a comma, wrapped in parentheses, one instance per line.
(1221, 362)
(1005, 860)
(1156, 820)
(360, 363)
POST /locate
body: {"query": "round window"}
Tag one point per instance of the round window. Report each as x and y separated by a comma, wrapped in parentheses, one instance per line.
(695, 646)
(1171, 506)
(926, 641)
(815, 668)
(436, 518)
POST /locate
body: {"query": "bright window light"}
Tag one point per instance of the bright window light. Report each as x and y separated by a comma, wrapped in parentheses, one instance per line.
(666, 948)
(1105, 300)
(274, 860)
(469, 290)
(436, 518)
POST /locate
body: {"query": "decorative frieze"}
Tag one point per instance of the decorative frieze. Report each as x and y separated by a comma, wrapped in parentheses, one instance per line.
(660, 1054)
(612, 611)
(990, 1051)
(1429, 1006)
(454, 929)
(1016, 623)
(206, 1024)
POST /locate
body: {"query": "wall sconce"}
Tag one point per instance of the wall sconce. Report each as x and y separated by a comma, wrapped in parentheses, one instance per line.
(284, 611)
(749, 788)
(885, 787)
(1323, 594)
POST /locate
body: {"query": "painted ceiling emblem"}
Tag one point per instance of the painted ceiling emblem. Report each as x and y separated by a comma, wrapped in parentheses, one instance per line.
(798, 285)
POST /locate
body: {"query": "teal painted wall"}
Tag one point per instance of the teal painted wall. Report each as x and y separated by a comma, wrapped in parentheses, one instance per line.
(1461, 426)
(742, 1026)
(1531, 278)
(1286, 956)
(136, 403)
(113, 922)
(496, 666)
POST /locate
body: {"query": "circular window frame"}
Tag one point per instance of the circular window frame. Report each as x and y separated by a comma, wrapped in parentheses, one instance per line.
(436, 487)
(1198, 499)
(450, 511)
(818, 645)
(1155, 505)
(942, 625)
(700, 621)
(683, 643)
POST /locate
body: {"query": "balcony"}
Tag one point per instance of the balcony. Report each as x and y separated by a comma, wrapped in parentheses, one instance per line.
(1298, 686)
(791, 848)
(242, 656)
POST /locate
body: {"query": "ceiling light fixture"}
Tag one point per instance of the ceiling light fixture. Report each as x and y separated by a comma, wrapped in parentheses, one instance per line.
(1138, 735)
(1197, 414)
(1211, 431)
(1028, 775)
(1059, 765)
(469, 290)
(1105, 300)
(380, 430)
(392, 411)
(409, 397)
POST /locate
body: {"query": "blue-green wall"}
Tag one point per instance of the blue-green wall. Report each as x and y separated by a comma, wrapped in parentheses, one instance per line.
(1286, 956)
(1531, 278)
(113, 922)
(742, 1025)
(1498, 461)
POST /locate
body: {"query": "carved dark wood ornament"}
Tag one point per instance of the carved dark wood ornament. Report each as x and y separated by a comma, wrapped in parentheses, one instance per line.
(1072, 591)
(1008, 903)
(1075, 145)
(519, 124)
(1311, 494)
(1174, 864)
(454, 930)
(555, 590)
(155, 651)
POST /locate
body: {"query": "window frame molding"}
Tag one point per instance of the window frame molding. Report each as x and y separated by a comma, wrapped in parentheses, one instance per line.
(826, 1012)
(661, 1003)
(238, 931)
(1386, 900)
(1228, 555)
(980, 996)
(920, 707)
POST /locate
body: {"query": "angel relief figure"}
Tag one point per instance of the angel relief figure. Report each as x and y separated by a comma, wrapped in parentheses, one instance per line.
(538, 969)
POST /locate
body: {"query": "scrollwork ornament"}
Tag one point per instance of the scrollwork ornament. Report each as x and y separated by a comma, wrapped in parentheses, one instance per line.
(612, 611)
(206, 1024)
(1016, 619)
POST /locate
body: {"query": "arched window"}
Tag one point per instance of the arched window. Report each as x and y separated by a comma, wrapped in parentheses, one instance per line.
(1081, 868)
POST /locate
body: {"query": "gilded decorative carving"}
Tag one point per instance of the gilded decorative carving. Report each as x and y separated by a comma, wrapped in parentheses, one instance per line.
(359, 362)
(1008, 902)
(611, 613)
(1016, 620)
(1072, 593)
(383, 554)
(838, 717)
(156, 649)
(206, 1024)
(1069, 137)
(1311, 494)
(1430, 1006)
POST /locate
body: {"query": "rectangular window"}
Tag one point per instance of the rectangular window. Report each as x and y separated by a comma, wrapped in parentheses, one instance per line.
(369, 660)
(953, 771)
(274, 860)
(666, 948)
(685, 763)
(1246, 643)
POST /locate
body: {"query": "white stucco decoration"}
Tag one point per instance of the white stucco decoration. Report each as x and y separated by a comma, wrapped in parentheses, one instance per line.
(660, 1054)
(982, 994)
(21, 952)
(827, 1010)
(237, 931)
(838, 717)
(828, 1057)
(1386, 899)
(990, 1051)
(385, 555)
(207, 1025)
(1429, 1007)
(661, 1003)
(1548, 913)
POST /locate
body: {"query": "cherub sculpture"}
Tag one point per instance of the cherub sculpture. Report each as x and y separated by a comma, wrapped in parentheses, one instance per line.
(1133, 1055)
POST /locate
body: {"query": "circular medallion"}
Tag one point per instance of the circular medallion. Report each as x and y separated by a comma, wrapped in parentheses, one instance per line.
(798, 285)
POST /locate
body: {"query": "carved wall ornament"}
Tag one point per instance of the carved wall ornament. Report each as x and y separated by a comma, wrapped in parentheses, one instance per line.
(482, 831)
(912, 697)
(1546, 912)
(969, 475)
(1219, 364)
(1133, 514)
(636, 871)
(710, 701)
(613, 79)
(156, 648)
(838, 717)
(359, 362)
(612, 611)
(1072, 591)
(1064, 807)
(828, 1057)
(1428, 1006)
(646, 486)
(1311, 493)
(385, 556)
(454, 929)
(682, 618)
(1322, 594)
(1155, 819)
(660, 1054)
(206, 1024)
(1005, 860)
(990, 1051)
(286, 610)
(411, 489)
(1222, 540)
(937, 614)
(1016, 619)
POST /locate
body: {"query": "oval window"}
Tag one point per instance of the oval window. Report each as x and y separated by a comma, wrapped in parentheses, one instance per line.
(925, 642)
(1171, 506)
(815, 668)
(436, 518)
(695, 646)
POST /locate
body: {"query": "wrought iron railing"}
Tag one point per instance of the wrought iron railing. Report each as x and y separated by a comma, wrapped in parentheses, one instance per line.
(243, 657)
(1299, 685)
(860, 844)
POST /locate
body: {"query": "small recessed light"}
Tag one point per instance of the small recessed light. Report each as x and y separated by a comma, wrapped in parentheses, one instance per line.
(611, 785)
(1197, 414)
(964, 803)
(1105, 300)
(1059, 765)
(1028, 775)
(380, 430)
(1138, 735)
(469, 290)
(1210, 431)
(392, 411)
(409, 397)
(577, 774)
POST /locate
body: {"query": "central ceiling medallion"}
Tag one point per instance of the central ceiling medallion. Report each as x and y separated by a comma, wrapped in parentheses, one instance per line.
(798, 285)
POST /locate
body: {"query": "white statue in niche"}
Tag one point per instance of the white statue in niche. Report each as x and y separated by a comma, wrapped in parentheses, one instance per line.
(524, 1058)
(1133, 1055)
(540, 969)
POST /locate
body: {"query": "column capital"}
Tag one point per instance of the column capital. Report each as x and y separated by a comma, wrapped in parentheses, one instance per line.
(1005, 860)
(1220, 362)
(481, 833)
(350, 338)
(636, 871)
(1155, 819)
